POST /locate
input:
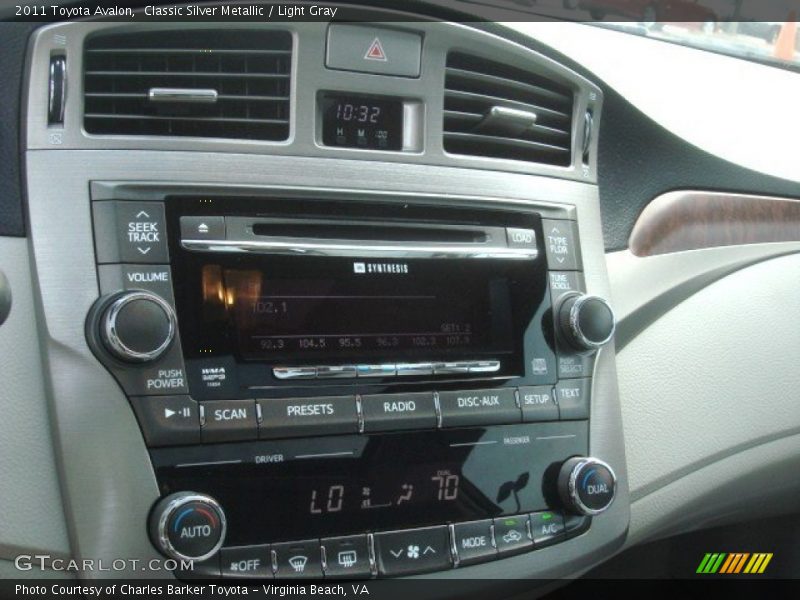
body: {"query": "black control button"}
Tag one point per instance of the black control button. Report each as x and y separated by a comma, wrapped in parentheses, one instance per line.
(573, 365)
(229, 420)
(511, 535)
(347, 557)
(473, 541)
(202, 228)
(587, 486)
(130, 232)
(298, 560)
(538, 403)
(390, 412)
(194, 528)
(585, 322)
(137, 326)
(572, 396)
(324, 415)
(413, 551)
(246, 561)
(575, 525)
(520, 238)
(560, 243)
(168, 420)
(479, 407)
(547, 527)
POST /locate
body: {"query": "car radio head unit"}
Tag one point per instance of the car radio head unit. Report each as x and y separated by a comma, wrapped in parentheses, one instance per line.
(407, 295)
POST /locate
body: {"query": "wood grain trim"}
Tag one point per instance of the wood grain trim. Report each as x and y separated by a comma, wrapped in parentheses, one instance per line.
(690, 220)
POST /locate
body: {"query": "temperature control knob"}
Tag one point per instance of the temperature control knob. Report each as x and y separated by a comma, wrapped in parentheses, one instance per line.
(586, 322)
(188, 526)
(586, 485)
(137, 327)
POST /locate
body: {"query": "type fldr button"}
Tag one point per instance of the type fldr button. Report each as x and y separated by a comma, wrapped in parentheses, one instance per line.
(390, 412)
(479, 407)
(168, 420)
(282, 417)
(229, 420)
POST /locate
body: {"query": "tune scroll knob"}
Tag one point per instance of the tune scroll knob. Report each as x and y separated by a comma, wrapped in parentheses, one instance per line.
(137, 326)
(586, 322)
(587, 486)
(188, 526)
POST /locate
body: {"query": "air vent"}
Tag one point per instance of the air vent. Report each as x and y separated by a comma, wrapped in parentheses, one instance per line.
(498, 111)
(202, 83)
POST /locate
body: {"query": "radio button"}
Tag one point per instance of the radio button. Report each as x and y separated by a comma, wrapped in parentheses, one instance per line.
(294, 372)
(391, 412)
(298, 417)
(202, 228)
(336, 372)
(511, 535)
(387, 370)
(229, 420)
(573, 397)
(412, 551)
(479, 407)
(347, 557)
(246, 562)
(168, 420)
(560, 244)
(547, 528)
(412, 369)
(130, 232)
(473, 541)
(538, 403)
(298, 560)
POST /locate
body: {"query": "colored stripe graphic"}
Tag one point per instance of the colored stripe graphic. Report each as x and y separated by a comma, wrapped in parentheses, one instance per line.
(703, 563)
(727, 564)
(767, 558)
(740, 563)
(734, 563)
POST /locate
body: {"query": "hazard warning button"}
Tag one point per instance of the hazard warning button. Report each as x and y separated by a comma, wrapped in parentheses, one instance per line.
(373, 50)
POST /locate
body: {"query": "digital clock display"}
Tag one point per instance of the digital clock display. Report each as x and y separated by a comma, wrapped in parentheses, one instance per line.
(369, 122)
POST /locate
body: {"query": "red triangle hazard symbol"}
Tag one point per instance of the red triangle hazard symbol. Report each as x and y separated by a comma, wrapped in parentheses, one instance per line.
(375, 51)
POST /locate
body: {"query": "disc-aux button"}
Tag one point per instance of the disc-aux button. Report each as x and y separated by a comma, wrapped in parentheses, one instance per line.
(479, 407)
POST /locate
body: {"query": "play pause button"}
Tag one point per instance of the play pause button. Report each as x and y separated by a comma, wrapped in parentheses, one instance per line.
(168, 420)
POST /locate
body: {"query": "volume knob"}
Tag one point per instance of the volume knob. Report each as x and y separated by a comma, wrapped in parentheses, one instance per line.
(137, 327)
(586, 322)
(188, 526)
(587, 486)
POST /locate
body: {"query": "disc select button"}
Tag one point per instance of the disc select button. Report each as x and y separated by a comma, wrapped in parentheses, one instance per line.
(297, 417)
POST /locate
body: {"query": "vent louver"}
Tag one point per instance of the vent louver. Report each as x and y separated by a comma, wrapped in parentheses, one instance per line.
(497, 111)
(202, 83)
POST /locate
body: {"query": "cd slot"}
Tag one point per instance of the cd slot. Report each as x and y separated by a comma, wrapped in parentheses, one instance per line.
(332, 237)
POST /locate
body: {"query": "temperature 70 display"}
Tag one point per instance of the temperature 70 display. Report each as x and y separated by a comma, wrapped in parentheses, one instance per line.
(441, 485)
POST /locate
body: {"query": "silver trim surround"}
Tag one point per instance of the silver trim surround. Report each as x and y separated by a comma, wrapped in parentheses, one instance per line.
(574, 320)
(172, 506)
(423, 95)
(573, 487)
(354, 250)
(117, 346)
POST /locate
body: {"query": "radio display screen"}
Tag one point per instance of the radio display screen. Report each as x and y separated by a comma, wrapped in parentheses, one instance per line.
(334, 309)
